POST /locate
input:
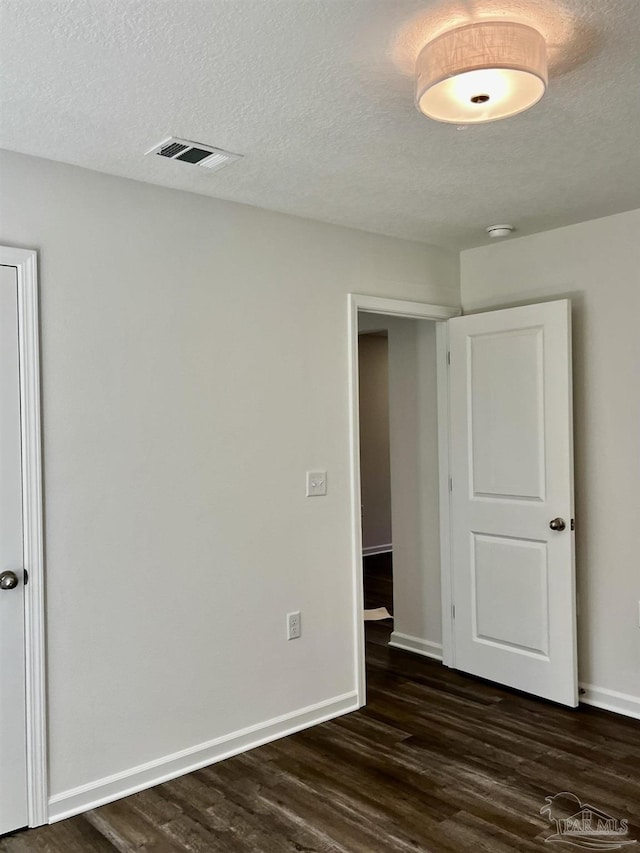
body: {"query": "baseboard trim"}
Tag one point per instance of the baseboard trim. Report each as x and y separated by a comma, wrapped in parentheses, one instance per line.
(377, 549)
(417, 645)
(610, 700)
(85, 797)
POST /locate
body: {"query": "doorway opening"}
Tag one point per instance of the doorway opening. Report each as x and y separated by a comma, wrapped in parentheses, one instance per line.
(400, 482)
(398, 489)
(23, 751)
(375, 477)
(502, 385)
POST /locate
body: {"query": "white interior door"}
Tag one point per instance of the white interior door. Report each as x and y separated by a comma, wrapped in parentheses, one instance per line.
(512, 489)
(13, 749)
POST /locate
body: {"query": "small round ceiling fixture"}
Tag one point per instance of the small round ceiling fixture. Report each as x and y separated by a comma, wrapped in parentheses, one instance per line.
(481, 72)
(500, 230)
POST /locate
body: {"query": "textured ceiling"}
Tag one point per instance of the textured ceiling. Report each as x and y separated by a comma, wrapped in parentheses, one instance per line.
(318, 96)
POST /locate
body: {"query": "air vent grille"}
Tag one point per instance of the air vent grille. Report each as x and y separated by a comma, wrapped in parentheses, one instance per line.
(194, 153)
(172, 149)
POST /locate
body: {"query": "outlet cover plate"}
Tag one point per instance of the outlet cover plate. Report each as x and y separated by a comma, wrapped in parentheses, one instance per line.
(294, 625)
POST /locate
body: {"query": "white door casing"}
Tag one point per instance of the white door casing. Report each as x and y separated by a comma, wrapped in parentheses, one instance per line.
(511, 458)
(13, 733)
(22, 520)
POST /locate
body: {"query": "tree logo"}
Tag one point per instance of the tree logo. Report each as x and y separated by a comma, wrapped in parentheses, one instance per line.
(583, 825)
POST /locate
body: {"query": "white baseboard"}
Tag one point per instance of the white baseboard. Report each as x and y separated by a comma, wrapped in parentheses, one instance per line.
(610, 700)
(417, 645)
(85, 797)
(377, 549)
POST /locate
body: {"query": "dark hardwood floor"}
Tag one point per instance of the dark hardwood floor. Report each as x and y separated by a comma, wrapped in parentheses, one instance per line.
(436, 761)
(378, 582)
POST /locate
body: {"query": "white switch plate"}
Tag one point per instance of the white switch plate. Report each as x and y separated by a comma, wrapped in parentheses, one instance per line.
(316, 483)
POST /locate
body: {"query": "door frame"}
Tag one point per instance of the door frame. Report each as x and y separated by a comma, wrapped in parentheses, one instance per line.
(421, 311)
(26, 265)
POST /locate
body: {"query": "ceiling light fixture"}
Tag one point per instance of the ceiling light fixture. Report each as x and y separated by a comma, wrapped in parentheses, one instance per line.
(481, 72)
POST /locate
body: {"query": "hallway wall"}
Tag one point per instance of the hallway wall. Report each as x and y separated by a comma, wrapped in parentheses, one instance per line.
(375, 477)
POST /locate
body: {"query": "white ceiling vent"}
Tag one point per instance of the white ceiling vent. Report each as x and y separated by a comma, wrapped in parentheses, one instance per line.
(194, 152)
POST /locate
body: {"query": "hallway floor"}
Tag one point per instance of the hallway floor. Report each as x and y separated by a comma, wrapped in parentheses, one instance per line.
(436, 761)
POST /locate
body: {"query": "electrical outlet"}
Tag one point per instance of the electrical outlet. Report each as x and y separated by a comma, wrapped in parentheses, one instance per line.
(294, 625)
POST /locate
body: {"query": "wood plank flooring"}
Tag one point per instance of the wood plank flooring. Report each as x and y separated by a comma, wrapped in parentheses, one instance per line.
(437, 762)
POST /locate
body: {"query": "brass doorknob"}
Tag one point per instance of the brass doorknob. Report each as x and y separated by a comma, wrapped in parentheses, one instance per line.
(557, 524)
(8, 580)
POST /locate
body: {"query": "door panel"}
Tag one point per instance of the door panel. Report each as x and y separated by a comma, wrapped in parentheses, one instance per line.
(507, 428)
(13, 752)
(511, 465)
(493, 579)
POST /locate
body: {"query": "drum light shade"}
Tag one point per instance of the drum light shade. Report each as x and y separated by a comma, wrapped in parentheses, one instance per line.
(481, 72)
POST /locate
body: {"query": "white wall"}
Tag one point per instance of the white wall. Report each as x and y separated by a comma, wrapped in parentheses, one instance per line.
(194, 365)
(413, 421)
(375, 479)
(597, 265)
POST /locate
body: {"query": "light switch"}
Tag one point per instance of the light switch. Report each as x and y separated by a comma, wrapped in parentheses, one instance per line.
(316, 483)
